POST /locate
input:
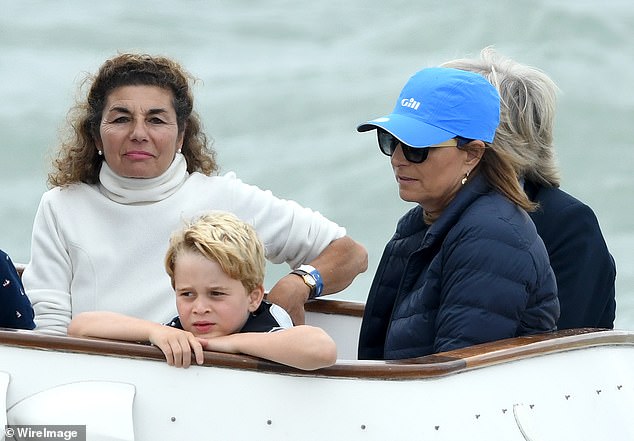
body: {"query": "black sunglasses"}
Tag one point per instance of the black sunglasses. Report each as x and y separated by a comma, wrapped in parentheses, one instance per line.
(388, 144)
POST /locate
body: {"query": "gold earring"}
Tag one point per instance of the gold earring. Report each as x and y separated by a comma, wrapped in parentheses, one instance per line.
(464, 180)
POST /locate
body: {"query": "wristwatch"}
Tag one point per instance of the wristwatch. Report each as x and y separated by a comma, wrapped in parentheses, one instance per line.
(311, 277)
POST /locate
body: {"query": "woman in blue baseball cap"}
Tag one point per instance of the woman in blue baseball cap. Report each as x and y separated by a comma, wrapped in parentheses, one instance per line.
(465, 265)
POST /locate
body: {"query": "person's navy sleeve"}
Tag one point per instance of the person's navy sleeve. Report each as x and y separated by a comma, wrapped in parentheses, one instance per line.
(583, 266)
(15, 308)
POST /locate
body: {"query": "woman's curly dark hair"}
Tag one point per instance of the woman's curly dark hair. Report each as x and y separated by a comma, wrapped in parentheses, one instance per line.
(77, 159)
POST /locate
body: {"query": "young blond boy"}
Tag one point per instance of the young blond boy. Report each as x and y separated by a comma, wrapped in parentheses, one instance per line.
(216, 265)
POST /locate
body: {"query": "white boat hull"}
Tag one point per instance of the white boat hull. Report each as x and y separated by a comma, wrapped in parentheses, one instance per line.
(577, 387)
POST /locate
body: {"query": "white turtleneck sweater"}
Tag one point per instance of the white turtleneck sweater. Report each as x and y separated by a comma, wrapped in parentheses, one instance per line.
(101, 247)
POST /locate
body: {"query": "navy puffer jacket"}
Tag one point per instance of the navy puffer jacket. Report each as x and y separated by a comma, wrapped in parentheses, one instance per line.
(480, 273)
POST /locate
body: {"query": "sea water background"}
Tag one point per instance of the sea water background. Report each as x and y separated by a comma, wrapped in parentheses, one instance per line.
(284, 83)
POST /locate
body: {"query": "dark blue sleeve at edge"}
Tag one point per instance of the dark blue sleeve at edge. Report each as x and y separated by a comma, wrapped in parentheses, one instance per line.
(15, 308)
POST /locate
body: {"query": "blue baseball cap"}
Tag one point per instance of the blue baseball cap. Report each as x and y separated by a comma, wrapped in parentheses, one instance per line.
(440, 103)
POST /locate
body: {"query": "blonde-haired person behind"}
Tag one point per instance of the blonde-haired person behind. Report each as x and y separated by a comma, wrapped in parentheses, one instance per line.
(216, 265)
(584, 268)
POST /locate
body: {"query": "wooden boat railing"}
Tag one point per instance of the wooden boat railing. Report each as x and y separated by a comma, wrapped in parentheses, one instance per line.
(435, 365)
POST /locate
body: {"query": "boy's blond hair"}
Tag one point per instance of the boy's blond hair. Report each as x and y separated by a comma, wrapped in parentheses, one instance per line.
(226, 239)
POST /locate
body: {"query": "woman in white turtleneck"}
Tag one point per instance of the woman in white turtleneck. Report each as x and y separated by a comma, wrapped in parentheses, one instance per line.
(136, 165)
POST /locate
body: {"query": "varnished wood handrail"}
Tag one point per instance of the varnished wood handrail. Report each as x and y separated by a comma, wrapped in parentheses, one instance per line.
(331, 306)
(429, 366)
(424, 367)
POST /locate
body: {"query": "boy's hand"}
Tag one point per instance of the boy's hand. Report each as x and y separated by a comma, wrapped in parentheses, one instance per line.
(177, 345)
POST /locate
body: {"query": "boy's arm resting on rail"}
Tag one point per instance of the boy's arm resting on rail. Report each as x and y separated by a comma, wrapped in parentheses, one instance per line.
(303, 347)
(176, 344)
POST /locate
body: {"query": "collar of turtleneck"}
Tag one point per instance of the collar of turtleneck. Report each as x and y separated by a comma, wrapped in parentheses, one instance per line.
(143, 190)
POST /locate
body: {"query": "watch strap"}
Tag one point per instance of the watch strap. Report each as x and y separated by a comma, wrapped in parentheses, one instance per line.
(308, 280)
(311, 271)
